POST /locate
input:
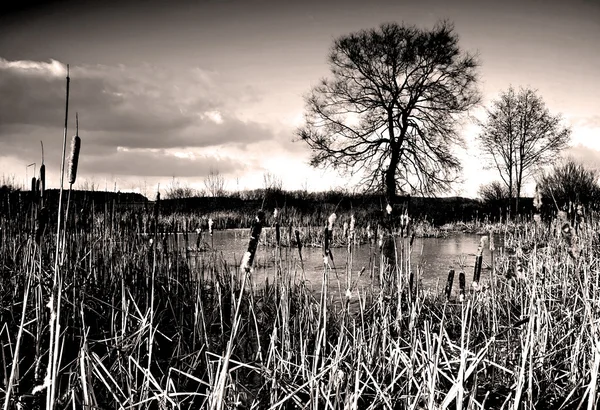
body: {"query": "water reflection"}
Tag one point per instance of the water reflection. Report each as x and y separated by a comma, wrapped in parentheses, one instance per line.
(431, 258)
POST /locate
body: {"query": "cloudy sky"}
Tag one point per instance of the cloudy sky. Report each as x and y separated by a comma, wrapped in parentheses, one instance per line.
(169, 89)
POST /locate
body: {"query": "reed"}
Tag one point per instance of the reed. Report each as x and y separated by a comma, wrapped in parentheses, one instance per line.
(153, 326)
(74, 157)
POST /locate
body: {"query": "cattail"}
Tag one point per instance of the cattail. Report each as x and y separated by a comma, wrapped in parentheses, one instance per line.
(33, 184)
(246, 265)
(331, 221)
(461, 285)
(75, 146)
(42, 180)
(156, 206)
(492, 249)
(537, 199)
(380, 235)
(298, 241)
(327, 237)
(449, 282)
(210, 226)
(404, 221)
(277, 231)
(478, 263)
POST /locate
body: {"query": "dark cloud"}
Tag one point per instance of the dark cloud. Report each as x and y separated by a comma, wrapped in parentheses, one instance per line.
(142, 107)
(144, 163)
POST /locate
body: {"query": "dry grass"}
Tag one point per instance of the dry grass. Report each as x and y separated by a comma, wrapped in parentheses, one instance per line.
(124, 322)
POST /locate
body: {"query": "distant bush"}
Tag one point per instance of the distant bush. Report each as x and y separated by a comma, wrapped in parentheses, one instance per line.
(569, 183)
(493, 192)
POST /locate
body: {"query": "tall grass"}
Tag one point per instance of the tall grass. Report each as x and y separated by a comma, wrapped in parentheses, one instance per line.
(141, 325)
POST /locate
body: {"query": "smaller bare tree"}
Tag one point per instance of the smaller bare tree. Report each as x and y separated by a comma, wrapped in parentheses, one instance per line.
(519, 136)
(493, 192)
(89, 184)
(214, 183)
(272, 182)
(177, 190)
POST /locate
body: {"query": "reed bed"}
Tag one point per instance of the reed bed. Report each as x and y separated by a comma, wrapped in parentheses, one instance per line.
(135, 324)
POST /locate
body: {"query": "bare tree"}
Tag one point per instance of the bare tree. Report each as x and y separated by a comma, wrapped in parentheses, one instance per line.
(569, 182)
(493, 192)
(177, 190)
(390, 110)
(520, 135)
(272, 182)
(214, 183)
(89, 184)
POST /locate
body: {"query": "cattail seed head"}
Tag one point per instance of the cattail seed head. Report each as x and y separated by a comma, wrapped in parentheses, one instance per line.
(246, 266)
(73, 161)
(482, 243)
(210, 226)
(537, 199)
(42, 180)
(331, 221)
(33, 184)
(404, 220)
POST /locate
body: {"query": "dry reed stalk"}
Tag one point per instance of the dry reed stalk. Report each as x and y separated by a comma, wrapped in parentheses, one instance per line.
(277, 228)
(248, 258)
(42, 175)
(478, 264)
(73, 161)
(50, 381)
(349, 239)
(216, 400)
(16, 354)
(299, 244)
(327, 238)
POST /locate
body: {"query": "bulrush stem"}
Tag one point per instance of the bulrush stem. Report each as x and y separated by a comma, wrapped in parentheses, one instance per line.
(51, 377)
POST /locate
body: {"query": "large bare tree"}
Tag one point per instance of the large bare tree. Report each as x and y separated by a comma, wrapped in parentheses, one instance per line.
(520, 135)
(390, 109)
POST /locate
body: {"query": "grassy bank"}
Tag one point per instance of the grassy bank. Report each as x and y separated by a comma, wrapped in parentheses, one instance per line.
(237, 210)
(119, 320)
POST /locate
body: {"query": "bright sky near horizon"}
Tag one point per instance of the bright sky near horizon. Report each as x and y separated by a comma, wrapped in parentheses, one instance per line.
(175, 89)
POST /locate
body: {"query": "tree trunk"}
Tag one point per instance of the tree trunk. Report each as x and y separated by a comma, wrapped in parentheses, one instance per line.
(390, 175)
(390, 184)
(510, 194)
